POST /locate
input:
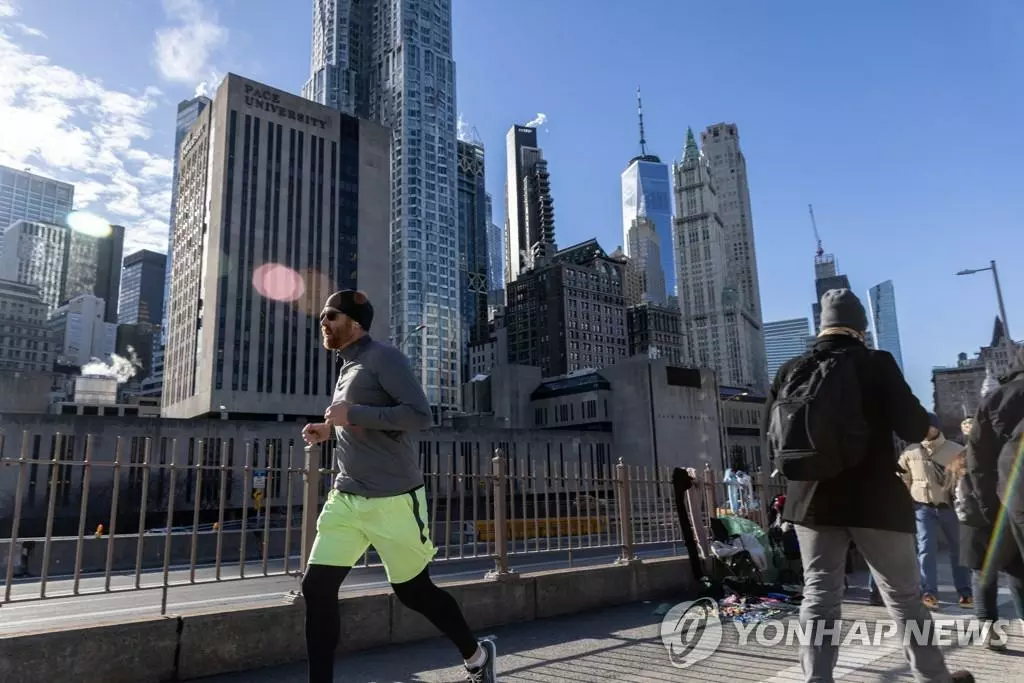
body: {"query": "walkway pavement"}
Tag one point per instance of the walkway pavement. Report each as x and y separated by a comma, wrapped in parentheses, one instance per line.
(623, 644)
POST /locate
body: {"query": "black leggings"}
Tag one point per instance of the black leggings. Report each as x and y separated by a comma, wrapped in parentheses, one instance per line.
(320, 587)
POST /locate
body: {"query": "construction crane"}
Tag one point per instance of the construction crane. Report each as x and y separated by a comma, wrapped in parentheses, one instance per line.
(814, 224)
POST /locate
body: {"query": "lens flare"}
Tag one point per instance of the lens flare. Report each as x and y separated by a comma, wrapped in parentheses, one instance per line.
(277, 282)
(88, 224)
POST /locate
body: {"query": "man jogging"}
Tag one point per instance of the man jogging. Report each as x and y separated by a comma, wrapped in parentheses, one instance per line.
(378, 497)
(837, 493)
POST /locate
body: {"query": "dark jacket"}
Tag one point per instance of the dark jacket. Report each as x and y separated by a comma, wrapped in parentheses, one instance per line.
(870, 495)
(989, 457)
(976, 535)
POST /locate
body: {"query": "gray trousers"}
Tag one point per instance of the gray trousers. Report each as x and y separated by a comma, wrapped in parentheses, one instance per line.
(892, 557)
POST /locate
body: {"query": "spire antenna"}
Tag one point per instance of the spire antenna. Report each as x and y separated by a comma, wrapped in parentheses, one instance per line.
(640, 113)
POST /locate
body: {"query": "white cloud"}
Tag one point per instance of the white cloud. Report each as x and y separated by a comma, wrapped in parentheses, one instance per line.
(70, 126)
(541, 119)
(8, 8)
(183, 51)
(464, 129)
(30, 31)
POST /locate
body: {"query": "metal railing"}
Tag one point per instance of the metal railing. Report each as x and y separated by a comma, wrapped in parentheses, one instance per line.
(143, 514)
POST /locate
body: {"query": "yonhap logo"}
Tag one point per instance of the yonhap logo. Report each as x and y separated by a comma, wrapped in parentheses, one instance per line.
(691, 632)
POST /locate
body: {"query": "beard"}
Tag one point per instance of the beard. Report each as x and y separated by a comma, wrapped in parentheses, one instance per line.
(333, 339)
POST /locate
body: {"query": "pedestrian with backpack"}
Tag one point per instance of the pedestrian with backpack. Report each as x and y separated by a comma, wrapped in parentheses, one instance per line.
(831, 414)
(995, 461)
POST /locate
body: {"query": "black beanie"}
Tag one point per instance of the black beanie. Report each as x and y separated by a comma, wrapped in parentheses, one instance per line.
(842, 308)
(354, 304)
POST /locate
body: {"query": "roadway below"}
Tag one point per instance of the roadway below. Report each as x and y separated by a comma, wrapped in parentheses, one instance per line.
(62, 609)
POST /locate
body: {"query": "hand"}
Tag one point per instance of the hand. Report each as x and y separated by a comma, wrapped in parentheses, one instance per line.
(337, 414)
(316, 433)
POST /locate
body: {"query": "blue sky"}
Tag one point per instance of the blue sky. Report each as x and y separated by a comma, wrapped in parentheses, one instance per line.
(900, 122)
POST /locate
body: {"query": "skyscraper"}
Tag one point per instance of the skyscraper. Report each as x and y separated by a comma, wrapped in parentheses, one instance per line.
(391, 61)
(94, 267)
(826, 277)
(720, 143)
(783, 341)
(65, 263)
(647, 205)
(473, 254)
(495, 257)
(644, 250)
(188, 112)
(142, 288)
(281, 201)
(883, 321)
(31, 197)
(36, 255)
(722, 333)
(529, 208)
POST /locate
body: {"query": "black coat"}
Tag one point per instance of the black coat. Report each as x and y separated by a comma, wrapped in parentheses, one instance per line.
(990, 458)
(870, 495)
(976, 533)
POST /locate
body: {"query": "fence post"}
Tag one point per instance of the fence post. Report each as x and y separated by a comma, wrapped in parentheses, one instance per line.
(499, 473)
(698, 512)
(622, 494)
(712, 488)
(763, 497)
(310, 501)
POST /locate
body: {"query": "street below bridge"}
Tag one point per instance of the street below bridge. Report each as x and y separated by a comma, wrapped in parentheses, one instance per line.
(61, 609)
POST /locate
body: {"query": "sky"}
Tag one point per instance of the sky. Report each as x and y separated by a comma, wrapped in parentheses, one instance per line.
(900, 122)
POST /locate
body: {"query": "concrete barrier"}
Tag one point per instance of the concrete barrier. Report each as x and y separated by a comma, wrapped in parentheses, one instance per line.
(138, 651)
(197, 645)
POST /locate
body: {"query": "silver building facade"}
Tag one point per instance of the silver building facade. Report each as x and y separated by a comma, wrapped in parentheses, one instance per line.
(27, 196)
(647, 224)
(281, 201)
(885, 326)
(784, 340)
(391, 61)
(188, 112)
(36, 255)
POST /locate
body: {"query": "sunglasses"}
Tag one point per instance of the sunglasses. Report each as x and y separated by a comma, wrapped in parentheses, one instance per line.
(330, 315)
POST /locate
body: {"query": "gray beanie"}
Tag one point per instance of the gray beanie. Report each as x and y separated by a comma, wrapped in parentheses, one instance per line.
(842, 308)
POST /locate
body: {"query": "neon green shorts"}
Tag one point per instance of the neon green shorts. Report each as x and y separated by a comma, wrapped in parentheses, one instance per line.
(395, 526)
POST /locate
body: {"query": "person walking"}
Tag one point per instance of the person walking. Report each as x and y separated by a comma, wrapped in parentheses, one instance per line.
(975, 534)
(924, 472)
(995, 462)
(857, 398)
(378, 496)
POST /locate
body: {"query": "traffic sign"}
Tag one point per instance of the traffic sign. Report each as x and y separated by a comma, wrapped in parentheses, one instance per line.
(257, 496)
(259, 479)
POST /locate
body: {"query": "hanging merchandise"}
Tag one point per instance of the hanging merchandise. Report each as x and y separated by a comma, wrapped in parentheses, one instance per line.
(740, 490)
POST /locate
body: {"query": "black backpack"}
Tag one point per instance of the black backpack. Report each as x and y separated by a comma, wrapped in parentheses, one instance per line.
(818, 429)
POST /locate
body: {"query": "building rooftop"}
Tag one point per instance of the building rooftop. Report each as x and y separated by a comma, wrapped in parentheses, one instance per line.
(574, 383)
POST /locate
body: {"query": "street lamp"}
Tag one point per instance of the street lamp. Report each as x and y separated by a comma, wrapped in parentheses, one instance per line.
(999, 292)
(403, 339)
